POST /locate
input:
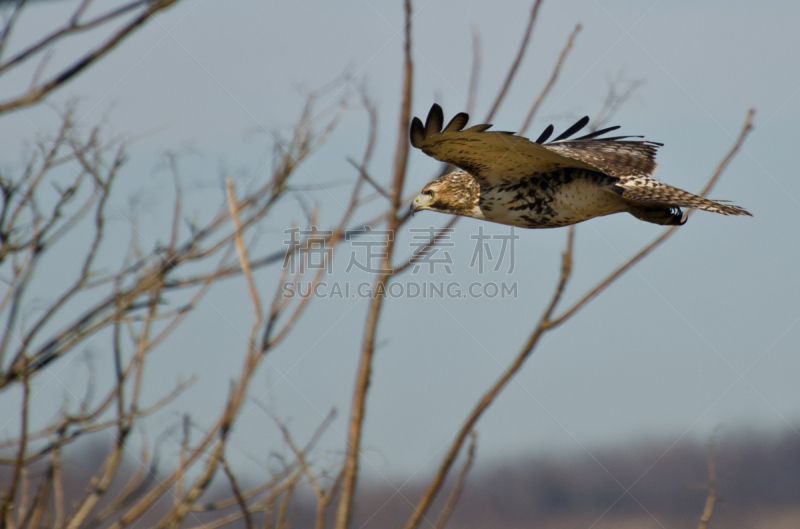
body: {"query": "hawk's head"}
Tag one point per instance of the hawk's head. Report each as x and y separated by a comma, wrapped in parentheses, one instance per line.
(456, 193)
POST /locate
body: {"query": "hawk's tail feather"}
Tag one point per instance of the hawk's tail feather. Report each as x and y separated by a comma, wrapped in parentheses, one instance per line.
(657, 214)
(648, 191)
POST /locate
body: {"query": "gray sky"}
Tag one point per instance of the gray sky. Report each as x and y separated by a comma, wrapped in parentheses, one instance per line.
(703, 333)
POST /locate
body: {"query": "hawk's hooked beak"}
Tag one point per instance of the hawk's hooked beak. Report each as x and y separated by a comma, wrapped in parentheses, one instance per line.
(422, 201)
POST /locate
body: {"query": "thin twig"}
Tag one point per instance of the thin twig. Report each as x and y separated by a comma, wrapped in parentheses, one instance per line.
(455, 494)
(422, 251)
(369, 179)
(488, 397)
(512, 71)
(475, 70)
(551, 81)
(36, 94)
(614, 99)
(69, 28)
(9, 494)
(711, 499)
(241, 251)
(283, 508)
(58, 488)
(237, 493)
(748, 124)
(363, 375)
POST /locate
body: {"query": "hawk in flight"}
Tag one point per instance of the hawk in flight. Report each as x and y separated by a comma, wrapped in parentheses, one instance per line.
(505, 178)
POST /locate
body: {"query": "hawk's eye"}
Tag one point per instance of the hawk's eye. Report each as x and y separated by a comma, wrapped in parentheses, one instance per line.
(431, 194)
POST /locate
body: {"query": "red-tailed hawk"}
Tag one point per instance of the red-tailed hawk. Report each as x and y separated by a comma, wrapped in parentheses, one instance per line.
(509, 179)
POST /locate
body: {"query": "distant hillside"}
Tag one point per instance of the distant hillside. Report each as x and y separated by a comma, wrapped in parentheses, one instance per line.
(758, 486)
(644, 485)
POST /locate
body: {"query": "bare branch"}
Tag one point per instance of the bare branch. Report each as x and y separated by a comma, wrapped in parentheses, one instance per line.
(661, 238)
(241, 251)
(708, 509)
(488, 397)
(58, 488)
(455, 494)
(512, 71)
(353, 451)
(237, 493)
(283, 508)
(475, 70)
(9, 494)
(368, 178)
(615, 98)
(33, 516)
(35, 94)
(10, 22)
(421, 252)
(552, 81)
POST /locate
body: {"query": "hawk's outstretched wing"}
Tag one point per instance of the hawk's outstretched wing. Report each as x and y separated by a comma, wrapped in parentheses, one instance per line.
(494, 157)
(498, 157)
(615, 156)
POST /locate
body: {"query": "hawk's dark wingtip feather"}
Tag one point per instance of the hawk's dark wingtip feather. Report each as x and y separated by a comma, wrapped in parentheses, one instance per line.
(545, 134)
(618, 138)
(479, 128)
(457, 123)
(434, 122)
(597, 133)
(417, 133)
(573, 129)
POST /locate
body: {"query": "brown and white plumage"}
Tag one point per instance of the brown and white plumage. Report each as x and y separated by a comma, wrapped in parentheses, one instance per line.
(509, 179)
